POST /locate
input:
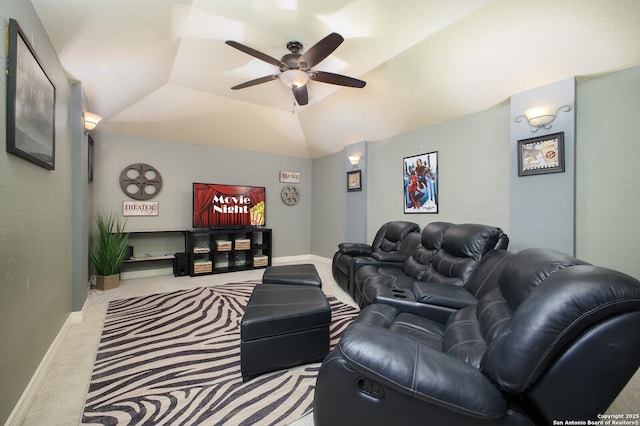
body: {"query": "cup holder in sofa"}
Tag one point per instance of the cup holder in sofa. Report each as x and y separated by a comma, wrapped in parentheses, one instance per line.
(398, 293)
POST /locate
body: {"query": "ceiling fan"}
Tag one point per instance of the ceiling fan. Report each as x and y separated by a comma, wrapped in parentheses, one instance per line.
(295, 67)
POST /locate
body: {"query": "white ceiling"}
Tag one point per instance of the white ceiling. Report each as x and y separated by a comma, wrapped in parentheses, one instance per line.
(160, 69)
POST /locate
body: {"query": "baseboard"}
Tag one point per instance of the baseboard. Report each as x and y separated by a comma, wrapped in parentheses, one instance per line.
(19, 412)
(299, 258)
(77, 317)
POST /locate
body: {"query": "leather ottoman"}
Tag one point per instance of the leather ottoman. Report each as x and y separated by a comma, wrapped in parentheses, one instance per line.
(283, 326)
(304, 274)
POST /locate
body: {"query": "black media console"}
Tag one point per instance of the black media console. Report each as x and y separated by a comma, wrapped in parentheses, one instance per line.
(197, 252)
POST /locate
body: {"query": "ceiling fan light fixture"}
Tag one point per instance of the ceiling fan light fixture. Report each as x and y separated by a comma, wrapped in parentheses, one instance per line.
(294, 78)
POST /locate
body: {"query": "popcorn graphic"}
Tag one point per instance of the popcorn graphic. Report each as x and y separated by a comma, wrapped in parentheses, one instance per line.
(257, 214)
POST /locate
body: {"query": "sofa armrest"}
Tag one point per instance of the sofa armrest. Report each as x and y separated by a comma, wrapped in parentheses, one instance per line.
(407, 366)
(355, 249)
(384, 256)
(447, 295)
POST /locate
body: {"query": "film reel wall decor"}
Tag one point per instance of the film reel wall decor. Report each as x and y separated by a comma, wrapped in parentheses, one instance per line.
(140, 181)
(290, 195)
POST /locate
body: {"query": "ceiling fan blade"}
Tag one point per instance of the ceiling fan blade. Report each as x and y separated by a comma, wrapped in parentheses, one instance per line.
(316, 53)
(340, 80)
(260, 80)
(301, 94)
(256, 54)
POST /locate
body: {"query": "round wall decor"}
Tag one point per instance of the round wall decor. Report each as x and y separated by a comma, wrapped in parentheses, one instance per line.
(140, 181)
(290, 195)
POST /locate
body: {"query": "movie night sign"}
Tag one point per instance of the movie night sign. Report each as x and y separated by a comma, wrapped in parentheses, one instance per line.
(230, 205)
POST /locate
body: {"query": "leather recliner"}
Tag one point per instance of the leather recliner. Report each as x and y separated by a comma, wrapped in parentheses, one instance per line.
(447, 257)
(556, 339)
(386, 246)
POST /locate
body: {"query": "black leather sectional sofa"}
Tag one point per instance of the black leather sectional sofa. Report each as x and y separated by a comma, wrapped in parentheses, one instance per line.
(528, 338)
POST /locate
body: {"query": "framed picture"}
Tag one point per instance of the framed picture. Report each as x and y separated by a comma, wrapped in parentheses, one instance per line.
(31, 99)
(289, 177)
(542, 154)
(354, 181)
(90, 156)
(420, 176)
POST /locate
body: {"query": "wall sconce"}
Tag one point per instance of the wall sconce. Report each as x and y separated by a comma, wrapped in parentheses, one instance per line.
(540, 117)
(91, 120)
(354, 160)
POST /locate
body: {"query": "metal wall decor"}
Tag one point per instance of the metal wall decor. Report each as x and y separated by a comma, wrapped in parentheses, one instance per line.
(290, 195)
(140, 181)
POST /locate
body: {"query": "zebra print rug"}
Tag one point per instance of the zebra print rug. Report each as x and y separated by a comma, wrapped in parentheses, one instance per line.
(174, 359)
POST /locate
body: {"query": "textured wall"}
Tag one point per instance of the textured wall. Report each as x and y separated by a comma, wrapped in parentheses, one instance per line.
(35, 230)
(608, 171)
(180, 165)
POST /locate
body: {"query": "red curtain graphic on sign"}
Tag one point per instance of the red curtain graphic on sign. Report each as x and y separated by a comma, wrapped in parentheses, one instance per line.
(206, 215)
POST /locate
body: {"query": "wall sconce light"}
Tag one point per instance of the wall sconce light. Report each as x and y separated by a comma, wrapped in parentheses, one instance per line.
(91, 120)
(540, 117)
(354, 160)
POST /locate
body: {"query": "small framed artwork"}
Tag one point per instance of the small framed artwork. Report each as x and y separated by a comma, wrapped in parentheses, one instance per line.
(31, 99)
(420, 175)
(289, 177)
(354, 181)
(540, 155)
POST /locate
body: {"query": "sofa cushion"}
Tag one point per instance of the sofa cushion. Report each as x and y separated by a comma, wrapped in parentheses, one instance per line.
(463, 246)
(430, 242)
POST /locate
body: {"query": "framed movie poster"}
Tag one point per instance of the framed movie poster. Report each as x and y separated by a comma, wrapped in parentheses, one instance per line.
(31, 99)
(354, 181)
(420, 175)
(543, 154)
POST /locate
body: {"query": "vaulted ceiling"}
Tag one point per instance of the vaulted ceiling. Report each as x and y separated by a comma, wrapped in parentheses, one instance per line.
(160, 69)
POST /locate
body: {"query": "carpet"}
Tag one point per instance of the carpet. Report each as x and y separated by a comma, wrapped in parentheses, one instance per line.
(174, 359)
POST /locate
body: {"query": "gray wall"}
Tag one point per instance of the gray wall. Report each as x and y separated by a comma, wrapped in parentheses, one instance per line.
(180, 165)
(542, 206)
(356, 201)
(35, 229)
(329, 204)
(477, 165)
(608, 171)
(473, 166)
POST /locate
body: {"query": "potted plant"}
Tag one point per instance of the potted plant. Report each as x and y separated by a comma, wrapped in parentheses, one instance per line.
(109, 250)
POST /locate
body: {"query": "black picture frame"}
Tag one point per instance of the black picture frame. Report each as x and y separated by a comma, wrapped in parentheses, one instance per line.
(90, 158)
(31, 99)
(354, 181)
(421, 183)
(541, 155)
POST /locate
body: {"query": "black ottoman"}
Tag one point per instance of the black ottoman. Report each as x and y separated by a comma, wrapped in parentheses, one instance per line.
(305, 274)
(283, 326)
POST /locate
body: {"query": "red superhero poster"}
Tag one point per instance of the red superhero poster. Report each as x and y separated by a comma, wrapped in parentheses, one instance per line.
(421, 183)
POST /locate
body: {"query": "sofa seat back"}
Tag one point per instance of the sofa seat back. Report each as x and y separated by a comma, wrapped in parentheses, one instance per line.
(387, 243)
(390, 235)
(430, 243)
(463, 245)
